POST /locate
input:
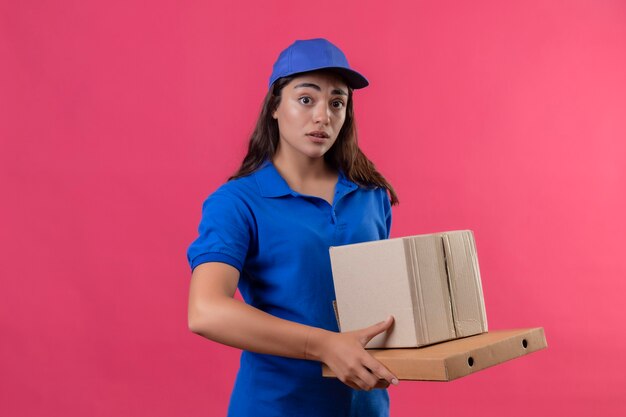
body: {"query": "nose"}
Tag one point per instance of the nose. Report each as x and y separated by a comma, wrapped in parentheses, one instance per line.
(322, 113)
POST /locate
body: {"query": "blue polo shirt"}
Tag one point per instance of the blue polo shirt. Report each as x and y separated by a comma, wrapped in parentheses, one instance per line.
(279, 239)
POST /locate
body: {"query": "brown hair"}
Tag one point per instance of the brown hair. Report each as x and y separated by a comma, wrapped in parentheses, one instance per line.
(345, 154)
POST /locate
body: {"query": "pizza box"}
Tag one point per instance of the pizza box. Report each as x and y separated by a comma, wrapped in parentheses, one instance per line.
(457, 358)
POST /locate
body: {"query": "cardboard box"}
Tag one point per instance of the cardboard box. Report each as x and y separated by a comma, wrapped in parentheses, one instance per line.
(457, 358)
(429, 283)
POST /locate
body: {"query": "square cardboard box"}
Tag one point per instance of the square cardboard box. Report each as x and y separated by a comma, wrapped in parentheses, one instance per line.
(429, 283)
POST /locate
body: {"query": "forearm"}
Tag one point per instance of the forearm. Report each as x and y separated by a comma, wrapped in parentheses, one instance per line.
(216, 315)
(234, 323)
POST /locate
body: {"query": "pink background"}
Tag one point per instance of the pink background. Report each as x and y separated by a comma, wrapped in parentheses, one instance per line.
(117, 120)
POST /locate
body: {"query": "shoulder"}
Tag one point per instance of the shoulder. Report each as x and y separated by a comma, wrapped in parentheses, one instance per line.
(236, 191)
(378, 198)
(375, 191)
(264, 181)
(231, 200)
(237, 186)
(227, 226)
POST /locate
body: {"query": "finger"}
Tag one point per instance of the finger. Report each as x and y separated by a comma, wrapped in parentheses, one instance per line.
(369, 332)
(362, 384)
(380, 371)
(369, 379)
(352, 385)
(381, 384)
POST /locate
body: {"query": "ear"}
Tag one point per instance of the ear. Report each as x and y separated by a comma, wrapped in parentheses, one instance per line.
(274, 115)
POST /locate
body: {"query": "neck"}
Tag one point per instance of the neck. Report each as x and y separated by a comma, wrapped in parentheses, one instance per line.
(298, 169)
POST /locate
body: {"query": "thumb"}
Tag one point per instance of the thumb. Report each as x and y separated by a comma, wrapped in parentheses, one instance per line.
(369, 332)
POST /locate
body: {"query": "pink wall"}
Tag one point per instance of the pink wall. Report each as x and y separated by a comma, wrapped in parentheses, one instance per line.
(116, 121)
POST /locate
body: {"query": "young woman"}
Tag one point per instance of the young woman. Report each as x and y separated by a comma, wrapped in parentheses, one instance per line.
(303, 186)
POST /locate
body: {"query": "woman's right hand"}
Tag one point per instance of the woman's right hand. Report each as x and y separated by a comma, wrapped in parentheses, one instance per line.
(345, 355)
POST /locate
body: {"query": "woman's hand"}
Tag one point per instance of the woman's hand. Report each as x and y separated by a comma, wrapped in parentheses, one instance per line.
(345, 355)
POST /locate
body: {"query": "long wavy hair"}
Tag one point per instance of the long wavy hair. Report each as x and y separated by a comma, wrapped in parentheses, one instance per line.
(344, 155)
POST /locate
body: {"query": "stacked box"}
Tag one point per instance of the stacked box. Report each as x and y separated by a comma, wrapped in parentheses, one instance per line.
(429, 283)
(458, 358)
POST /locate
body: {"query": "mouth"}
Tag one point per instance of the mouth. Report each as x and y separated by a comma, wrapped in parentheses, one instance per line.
(318, 134)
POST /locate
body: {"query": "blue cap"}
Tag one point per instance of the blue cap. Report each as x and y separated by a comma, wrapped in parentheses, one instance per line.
(315, 54)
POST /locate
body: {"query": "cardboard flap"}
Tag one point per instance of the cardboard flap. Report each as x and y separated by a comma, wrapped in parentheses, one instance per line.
(465, 286)
(431, 302)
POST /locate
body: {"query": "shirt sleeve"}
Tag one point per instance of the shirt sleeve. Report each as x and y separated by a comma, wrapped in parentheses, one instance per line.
(224, 232)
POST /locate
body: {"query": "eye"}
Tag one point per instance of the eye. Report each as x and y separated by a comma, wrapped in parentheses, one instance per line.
(338, 104)
(305, 100)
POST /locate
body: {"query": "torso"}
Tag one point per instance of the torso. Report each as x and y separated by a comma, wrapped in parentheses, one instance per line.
(279, 238)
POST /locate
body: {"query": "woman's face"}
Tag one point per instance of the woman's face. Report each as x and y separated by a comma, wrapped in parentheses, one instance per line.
(311, 113)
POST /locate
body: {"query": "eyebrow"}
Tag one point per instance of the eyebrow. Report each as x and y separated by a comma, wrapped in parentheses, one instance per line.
(317, 87)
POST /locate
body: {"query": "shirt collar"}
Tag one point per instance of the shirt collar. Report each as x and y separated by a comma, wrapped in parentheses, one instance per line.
(271, 184)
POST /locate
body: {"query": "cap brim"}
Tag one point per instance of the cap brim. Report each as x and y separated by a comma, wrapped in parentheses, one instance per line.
(352, 78)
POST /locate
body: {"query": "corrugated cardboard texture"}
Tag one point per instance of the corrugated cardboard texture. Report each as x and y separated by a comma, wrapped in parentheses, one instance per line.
(465, 285)
(460, 357)
(431, 300)
(429, 283)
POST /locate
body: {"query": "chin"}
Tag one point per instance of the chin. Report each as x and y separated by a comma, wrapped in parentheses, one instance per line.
(318, 153)
(315, 156)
